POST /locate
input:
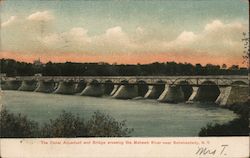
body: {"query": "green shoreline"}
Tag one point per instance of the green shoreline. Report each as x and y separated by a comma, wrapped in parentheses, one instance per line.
(237, 127)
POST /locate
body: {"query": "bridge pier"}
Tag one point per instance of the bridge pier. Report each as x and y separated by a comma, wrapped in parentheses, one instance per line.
(154, 91)
(232, 94)
(65, 87)
(28, 85)
(79, 87)
(45, 86)
(126, 92)
(224, 94)
(116, 87)
(93, 89)
(172, 94)
(164, 93)
(193, 96)
(150, 93)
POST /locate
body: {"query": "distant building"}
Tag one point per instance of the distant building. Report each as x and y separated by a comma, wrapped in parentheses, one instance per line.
(37, 62)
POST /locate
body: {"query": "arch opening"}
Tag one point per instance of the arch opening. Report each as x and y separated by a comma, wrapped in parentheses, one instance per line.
(208, 92)
(51, 82)
(45, 86)
(80, 86)
(28, 85)
(159, 87)
(94, 82)
(186, 89)
(108, 87)
(142, 88)
(30, 82)
(235, 83)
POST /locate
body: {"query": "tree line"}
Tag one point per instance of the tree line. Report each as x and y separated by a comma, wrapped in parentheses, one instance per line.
(11, 67)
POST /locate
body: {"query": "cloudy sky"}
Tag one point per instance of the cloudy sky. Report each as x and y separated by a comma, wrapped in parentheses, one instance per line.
(124, 31)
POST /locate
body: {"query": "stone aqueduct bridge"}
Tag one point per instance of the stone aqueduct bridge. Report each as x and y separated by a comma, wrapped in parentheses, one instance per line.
(223, 90)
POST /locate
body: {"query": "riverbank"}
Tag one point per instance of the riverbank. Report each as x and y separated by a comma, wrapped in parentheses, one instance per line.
(236, 127)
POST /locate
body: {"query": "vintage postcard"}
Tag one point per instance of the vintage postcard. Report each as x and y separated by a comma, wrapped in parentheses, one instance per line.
(124, 78)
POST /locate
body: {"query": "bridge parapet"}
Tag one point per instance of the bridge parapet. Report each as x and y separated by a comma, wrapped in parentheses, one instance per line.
(171, 80)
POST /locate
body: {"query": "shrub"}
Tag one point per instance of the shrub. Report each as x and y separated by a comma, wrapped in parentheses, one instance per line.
(237, 127)
(12, 126)
(101, 125)
(66, 125)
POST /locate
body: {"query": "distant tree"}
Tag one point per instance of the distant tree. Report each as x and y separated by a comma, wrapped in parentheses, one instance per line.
(15, 68)
(224, 66)
(234, 67)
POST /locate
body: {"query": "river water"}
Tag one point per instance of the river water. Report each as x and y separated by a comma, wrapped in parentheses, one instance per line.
(147, 117)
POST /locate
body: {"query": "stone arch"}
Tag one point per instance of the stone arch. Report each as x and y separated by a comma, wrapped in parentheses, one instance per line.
(45, 86)
(208, 92)
(11, 85)
(80, 86)
(142, 88)
(181, 80)
(186, 88)
(108, 87)
(239, 83)
(160, 87)
(94, 88)
(155, 90)
(65, 87)
(28, 85)
(52, 81)
(94, 82)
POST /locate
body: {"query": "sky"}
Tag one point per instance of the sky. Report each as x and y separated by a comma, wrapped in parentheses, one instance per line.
(124, 31)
